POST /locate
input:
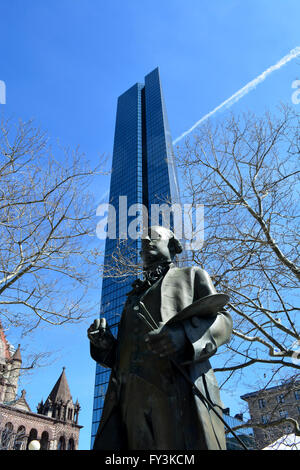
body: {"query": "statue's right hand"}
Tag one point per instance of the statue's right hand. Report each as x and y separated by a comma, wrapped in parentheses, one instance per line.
(99, 334)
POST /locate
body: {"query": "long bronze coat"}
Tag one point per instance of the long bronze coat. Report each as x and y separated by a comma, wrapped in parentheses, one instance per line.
(179, 288)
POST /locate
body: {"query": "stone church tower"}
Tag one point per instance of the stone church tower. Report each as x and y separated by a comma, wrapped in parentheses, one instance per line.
(59, 404)
(55, 425)
(10, 364)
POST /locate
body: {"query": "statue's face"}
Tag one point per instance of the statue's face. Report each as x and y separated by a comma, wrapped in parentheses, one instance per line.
(155, 246)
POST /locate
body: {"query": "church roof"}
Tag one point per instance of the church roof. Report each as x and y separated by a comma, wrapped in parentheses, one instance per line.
(60, 391)
(17, 355)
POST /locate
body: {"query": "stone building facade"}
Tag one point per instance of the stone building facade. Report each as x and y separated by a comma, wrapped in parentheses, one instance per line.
(275, 411)
(55, 425)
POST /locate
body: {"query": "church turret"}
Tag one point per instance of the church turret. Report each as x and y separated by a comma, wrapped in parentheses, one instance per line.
(5, 357)
(14, 367)
(10, 365)
(59, 404)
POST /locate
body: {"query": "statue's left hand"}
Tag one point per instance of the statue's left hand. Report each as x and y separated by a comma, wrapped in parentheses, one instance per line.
(100, 335)
(166, 340)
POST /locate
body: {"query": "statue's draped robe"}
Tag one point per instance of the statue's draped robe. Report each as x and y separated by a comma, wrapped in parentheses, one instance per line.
(149, 405)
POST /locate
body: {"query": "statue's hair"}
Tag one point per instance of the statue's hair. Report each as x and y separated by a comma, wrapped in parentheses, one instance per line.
(176, 244)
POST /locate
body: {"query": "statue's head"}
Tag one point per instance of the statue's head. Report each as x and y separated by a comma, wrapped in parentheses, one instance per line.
(159, 244)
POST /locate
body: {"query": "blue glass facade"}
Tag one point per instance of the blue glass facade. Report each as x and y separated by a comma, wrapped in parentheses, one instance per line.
(162, 180)
(142, 170)
(245, 434)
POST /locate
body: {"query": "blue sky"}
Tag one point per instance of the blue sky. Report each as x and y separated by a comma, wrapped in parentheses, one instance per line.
(65, 62)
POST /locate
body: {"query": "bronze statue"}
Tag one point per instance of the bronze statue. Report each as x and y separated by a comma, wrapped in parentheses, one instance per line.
(149, 404)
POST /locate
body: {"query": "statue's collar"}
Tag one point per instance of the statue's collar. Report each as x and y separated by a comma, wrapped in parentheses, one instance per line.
(151, 275)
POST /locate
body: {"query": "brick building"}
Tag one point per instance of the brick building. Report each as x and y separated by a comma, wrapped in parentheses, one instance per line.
(275, 411)
(55, 425)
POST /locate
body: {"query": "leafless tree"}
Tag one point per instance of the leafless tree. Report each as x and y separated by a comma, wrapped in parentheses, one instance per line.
(245, 171)
(47, 229)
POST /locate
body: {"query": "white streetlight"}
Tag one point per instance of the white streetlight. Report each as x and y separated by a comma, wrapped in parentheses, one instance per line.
(34, 445)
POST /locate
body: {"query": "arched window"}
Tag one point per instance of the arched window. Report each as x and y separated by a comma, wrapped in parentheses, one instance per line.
(32, 436)
(19, 438)
(45, 441)
(6, 437)
(61, 443)
(71, 444)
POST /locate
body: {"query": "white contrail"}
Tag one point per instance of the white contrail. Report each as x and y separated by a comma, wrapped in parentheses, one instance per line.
(243, 91)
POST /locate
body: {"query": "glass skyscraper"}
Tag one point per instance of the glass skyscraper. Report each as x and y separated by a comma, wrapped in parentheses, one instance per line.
(143, 170)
